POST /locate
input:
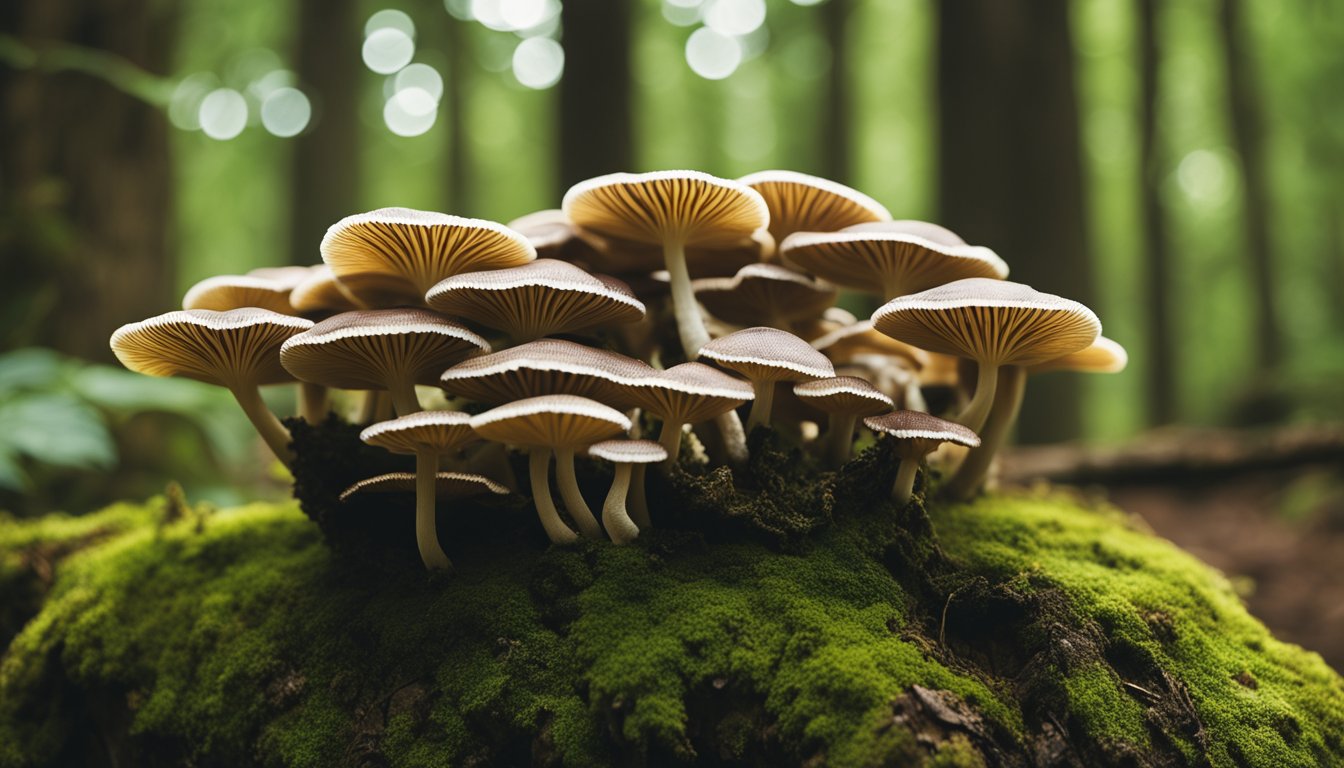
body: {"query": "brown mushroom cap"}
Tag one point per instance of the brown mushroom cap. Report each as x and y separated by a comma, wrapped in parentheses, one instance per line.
(764, 293)
(1103, 356)
(992, 321)
(802, 203)
(845, 344)
(923, 428)
(554, 421)
(628, 451)
(691, 207)
(844, 394)
(393, 256)
(451, 485)
(892, 258)
(549, 231)
(768, 354)
(321, 293)
(545, 367)
(689, 393)
(366, 349)
(239, 347)
(544, 297)
(625, 257)
(224, 292)
(432, 431)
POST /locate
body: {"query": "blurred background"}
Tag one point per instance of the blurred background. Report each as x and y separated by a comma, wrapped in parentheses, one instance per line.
(1179, 167)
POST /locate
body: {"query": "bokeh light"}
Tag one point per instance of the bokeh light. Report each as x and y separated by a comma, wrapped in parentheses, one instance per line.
(538, 62)
(734, 17)
(682, 15)
(421, 76)
(184, 107)
(521, 14)
(223, 114)
(286, 112)
(390, 18)
(387, 50)
(459, 9)
(713, 55)
(411, 112)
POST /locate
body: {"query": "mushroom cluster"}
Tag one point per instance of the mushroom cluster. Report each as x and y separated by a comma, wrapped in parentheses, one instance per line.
(671, 300)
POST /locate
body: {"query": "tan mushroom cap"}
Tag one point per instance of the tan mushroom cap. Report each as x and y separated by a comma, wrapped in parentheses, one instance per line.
(544, 297)
(846, 344)
(239, 347)
(545, 367)
(364, 349)
(893, 258)
(689, 393)
(289, 275)
(625, 257)
(224, 292)
(691, 207)
(920, 426)
(768, 354)
(449, 485)
(844, 394)
(392, 256)
(322, 293)
(549, 231)
(629, 451)
(552, 421)
(802, 203)
(992, 321)
(1103, 356)
(764, 293)
(433, 431)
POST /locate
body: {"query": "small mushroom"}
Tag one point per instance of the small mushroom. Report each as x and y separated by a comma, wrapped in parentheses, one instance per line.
(321, 295)
(766, 356)
(225, 292)
(546, 367)
(686, 394)
(845, 398)
(451, 485)
(917, 435)
(765, 294)
(426, 435)
(1103, 356)
(626, 455)
(802, 203)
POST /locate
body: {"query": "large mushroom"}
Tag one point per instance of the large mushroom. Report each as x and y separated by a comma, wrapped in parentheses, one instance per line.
(916, 434)
(802, 203)
(546, 367)
(765, 294)
(626, 455)
(766, 356)
(845, 399)
(238, 349)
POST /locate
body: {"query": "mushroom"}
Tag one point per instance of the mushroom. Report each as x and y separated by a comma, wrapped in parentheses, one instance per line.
(894, 258)
(546, 367)
(225, 292)
(426, 435)
(894, 366)
(916, 435)
(391, 349)
(392, 256)
(765, 294)
(321, 294)
(994, 322)
(630, 258)
(802, 203)
(766, 356)
(238, 349)
(686, 394)
(845, 398)
(452, 485)
(626, 455)
(1102, 356)
(674, 208)
(559, 423)
(537, 299)
(553, 236)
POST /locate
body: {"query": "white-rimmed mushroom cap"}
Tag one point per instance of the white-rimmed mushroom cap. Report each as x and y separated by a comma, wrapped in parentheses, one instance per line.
(844, 394)
(689, 393)
(320, 293)
(434, 431)
(844, 345)
(391, 256)
(1103, 356)
(802, 203)
(447, 485)
(367, 349)
(764, 293)
(545, 367)
(768, 354)
(691, 207)
(289, 276)
(544, 297)
(239, 347)
(554, 421)
(927, 429)
(995, 322)
(627, 258)
(629, 451)
(225, 292)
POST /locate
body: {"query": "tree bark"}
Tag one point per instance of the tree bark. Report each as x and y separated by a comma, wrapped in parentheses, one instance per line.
(85, 188)
(1161, 363)
(835, 125)
(595, 130)
(1009, 161)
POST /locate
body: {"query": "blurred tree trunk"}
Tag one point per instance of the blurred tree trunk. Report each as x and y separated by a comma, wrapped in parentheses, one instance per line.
(457, 38)
(1161, 363)
(324, 182)
(835, 138)
(1010, 169)
(595, 99)
(1243, 101)
(85, 188)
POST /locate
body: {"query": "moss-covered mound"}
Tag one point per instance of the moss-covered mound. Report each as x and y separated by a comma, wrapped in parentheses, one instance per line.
(1034, 630)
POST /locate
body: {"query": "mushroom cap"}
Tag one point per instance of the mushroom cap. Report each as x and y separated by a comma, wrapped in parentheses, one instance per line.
(235, 348)
(391, 256)
(452, 485)
(991, 321)
(548, 230)
(626, 257)
(289, 276)
(873, 257)
(689, 393)
(545, 367)
(802, 203)
(1103, 356)
(322, 293)
(629, 451)
(224, 292)
(764, 292)
(368, 348)
(551, 421)
(434, 431)
(842, 345)
(920, 426)
(688, 206)
(536, 299)
(844, 394)
(768, 354)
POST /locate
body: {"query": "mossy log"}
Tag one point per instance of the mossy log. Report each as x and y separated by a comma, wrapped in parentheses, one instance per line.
(791, 619)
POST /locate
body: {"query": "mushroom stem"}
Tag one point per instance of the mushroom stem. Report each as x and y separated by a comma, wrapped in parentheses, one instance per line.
(970, 476)
(620, 527)
(978, 411)
(734, 437)
(904, 487)
(404, 398)
(538, 466)
(368, 410)
(569, 491)
(313, 402)
(762, 405)
(265, 422)
(839, 438)
(426, 533)
(690, 325)
(637, 503)
(670, 438)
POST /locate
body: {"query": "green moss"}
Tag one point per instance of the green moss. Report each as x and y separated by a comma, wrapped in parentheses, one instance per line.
(238, 637)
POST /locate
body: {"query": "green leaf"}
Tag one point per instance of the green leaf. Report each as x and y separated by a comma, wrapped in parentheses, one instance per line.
(30, 368)
(12, 476)
(56, 429)
(116, 389)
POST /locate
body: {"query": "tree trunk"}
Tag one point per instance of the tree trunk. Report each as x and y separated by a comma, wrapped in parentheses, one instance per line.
(324, 185)
(1161, 363)
(1243, 101)
(595, 90)
(835, 138)
(85, 188)
(1009, 161)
